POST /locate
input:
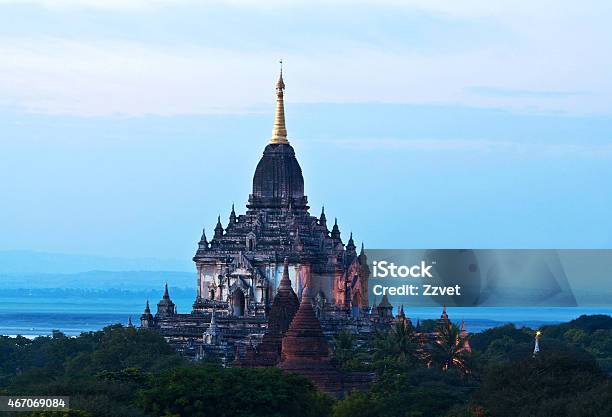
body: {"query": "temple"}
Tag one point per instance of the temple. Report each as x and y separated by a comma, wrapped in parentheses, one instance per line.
(275, 285)
(276, 247)
(241, 267)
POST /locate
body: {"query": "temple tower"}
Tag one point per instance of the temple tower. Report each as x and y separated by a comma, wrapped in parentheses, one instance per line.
(146, 319)
(536, 347)
(165, 307)
(241, 267)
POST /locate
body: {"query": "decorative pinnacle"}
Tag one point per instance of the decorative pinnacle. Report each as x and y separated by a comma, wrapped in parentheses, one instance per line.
(285, 282)
(218, 228)
(306, 298)
(279, 131)
(232, 215)
(444, 314)
(323, 218)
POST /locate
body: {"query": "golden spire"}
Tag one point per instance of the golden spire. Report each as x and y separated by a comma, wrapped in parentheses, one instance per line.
(279, 132)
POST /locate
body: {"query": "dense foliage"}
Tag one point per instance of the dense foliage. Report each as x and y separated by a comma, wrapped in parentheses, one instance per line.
(213, 391)
(127, 372)
(500, 377)
(100, 371)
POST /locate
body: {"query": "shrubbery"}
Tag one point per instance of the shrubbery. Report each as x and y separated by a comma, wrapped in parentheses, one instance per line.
(127, 372)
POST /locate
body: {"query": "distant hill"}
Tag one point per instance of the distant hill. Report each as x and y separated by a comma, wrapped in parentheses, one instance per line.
(100, 280)
(27, 262)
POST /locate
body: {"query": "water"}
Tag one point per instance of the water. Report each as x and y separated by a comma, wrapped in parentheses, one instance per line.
(38, 315)
(42, 324)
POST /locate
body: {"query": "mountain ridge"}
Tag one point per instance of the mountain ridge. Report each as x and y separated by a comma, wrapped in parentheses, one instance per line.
(33, 262)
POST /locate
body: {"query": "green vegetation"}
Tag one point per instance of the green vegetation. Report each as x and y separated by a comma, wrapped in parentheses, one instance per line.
(416, 375)
(213, 391)
(499, 377)
(127, 372)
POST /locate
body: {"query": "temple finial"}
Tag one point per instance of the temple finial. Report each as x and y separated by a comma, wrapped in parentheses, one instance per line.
(285, 282)
(203, 243)
(350, 246)
(335, 233)
(218, 229)
(279, 132)
(444, 315)
(323, 218)
(232, 217)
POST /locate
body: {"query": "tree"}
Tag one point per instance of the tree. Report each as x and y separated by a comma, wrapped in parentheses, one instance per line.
(449, 348)
(67, 413)
(101, 371)
(210, 390)
(398, 346)
(356, 404)
(344, 347)
(553, 384)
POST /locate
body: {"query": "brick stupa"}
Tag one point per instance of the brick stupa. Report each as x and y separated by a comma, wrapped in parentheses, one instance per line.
(305, 350)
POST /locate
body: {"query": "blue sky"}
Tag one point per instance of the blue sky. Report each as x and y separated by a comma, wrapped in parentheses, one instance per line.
(129, 125)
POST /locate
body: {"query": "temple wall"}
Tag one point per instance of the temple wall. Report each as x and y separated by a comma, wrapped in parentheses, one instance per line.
(322, 282)
(299, 274)
(207, 276)
(274, 273)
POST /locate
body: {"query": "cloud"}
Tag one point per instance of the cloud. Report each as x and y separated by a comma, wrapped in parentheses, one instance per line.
(125, 5)
(56, 75)
(463, 8)
(100, 78)
(543, 57)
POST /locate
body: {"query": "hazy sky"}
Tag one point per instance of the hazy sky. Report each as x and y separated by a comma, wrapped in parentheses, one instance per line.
(129, 125)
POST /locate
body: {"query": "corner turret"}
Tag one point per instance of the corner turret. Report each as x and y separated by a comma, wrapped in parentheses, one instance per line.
(165, 307)
(351, 249)
(232, 217)
(146, 320)
(203, 243)
(335, 233)
(218, 229)
(322, 218)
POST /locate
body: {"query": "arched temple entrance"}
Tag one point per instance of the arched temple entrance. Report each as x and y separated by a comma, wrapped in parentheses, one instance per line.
(355, 304)
(238, 303)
